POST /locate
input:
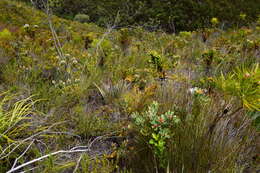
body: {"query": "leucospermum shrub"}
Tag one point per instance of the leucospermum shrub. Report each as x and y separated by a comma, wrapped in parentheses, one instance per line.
(157, 128)
(156, 61)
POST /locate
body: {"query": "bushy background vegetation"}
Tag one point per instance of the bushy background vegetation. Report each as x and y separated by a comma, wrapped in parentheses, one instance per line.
(75, 97)
(170, 15)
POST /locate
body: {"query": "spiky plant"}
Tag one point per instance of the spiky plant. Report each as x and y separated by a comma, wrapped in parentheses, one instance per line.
(11, 114)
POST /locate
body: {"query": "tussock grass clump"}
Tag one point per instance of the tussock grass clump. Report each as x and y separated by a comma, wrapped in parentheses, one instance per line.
(12, 114)
(212, 135)
(15, 124)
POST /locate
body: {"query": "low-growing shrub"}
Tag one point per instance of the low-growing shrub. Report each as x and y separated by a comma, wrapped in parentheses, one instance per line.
(83, 18)
(158, 128)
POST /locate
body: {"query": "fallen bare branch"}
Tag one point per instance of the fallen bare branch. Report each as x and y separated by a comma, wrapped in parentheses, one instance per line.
(15, 162)
(4, 155)
(45, 156)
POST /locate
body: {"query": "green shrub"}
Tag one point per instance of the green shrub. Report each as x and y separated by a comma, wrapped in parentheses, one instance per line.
(5, 34)
(157, 128)
(171, 15)
(83, 18)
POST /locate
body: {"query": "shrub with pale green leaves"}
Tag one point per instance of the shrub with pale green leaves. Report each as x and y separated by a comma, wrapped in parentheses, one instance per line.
(83, 18)
(158, 128)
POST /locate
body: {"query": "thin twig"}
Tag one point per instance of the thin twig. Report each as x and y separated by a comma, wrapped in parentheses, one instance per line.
(78, 162)
(65, 133)
(109, 30)
(97, 138)
(72, 150)
(29, 170)
(3, 155)
(53, 32)
(15, 162)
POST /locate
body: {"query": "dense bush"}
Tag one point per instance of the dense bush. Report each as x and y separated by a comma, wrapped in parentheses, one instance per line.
(171, 15)
(83, 18)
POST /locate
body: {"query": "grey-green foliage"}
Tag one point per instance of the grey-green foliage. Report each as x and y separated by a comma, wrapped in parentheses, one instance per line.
(83, 18)
(158, 128)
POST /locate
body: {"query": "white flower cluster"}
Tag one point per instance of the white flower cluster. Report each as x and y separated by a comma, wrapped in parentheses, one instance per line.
(26, 25)
(62, 62)
(63, 83)
(197, 90)
(74, 60)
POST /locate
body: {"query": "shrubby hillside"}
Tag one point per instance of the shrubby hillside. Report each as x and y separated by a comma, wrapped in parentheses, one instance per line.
(75, 97)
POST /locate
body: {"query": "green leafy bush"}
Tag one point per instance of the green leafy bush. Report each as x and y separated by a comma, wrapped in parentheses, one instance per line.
(5, 34)
(83, 18)
(158, 128)
(171, 15)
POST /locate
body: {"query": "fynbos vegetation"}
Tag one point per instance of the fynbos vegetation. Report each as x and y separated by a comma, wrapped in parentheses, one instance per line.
(75, 97)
